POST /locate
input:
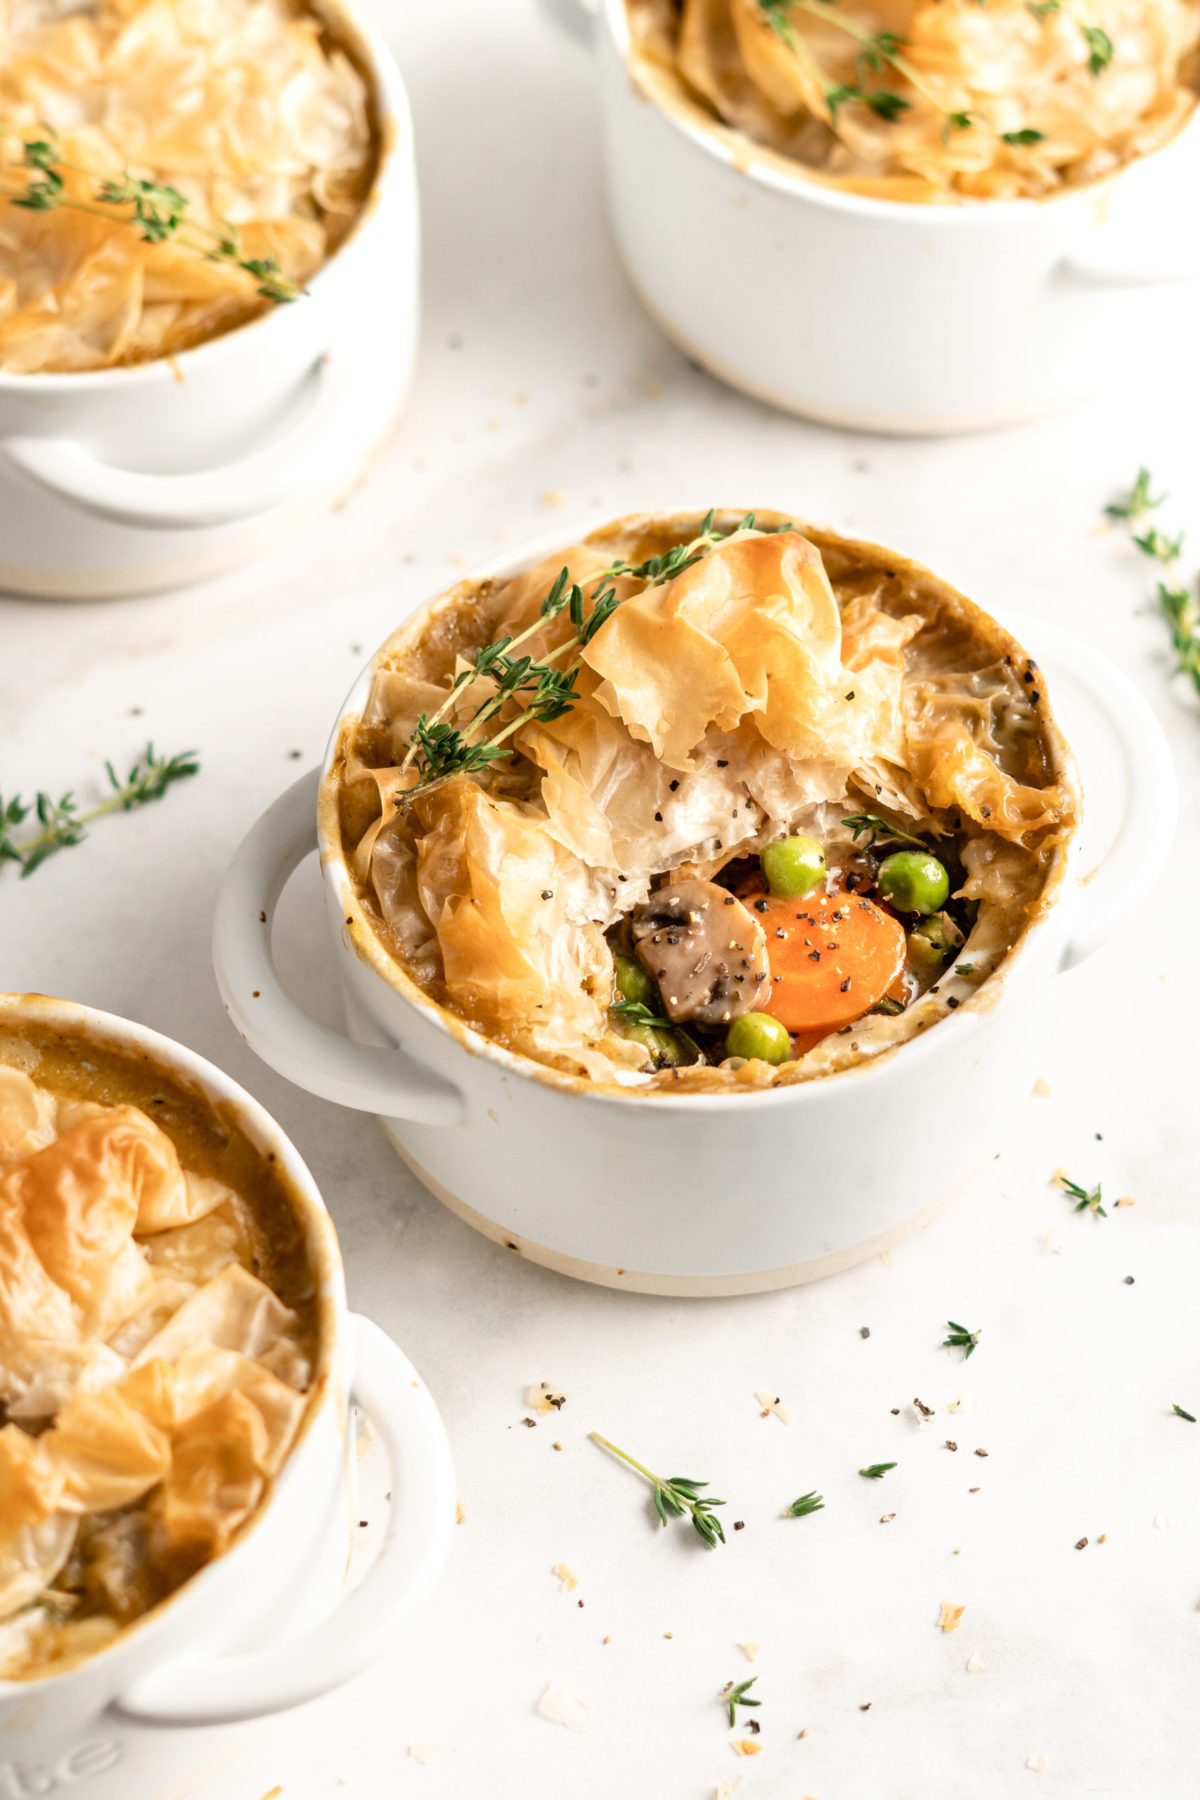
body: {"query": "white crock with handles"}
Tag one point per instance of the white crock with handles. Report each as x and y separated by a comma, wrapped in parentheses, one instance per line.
(649, 1192)
(122, 481)
(269, 1624)
(879, 315)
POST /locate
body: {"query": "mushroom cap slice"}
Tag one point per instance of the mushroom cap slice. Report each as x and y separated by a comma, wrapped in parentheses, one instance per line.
(706, 952)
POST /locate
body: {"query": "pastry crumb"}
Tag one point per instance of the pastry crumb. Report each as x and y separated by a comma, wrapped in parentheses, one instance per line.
(562, 1707)
(975, 1664)
(567, 1576)
(1042, 1089)
(950, 1616)
(543, 1398)
(1127, 1200)
(745, 1747)
(460, 1517)
(1037, 1762)
(770, 1402)
(423, 1753)
(750, 1650)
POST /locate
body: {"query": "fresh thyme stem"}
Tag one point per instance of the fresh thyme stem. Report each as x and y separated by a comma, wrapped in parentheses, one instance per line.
(1179, 603)
(63, 826)
(679, 1495)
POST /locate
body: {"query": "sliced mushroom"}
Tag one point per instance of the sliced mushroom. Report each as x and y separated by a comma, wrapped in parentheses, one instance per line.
(706, 952)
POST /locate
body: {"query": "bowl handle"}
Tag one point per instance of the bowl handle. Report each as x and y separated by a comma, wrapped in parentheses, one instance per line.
(213, 1690)
(362, 1076)
(296, 462)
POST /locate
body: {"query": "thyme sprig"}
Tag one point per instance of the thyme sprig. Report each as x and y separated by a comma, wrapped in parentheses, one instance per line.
(676, 1497)
(961, 1339)
(733, 1697)
(1176, 1408)
(807, 1503)
(159, 212)
(1086, 1201)
(877, 1471)
(1179, 602)
(638, 1013)
(542, 692)
(877, 827)
(63, 825)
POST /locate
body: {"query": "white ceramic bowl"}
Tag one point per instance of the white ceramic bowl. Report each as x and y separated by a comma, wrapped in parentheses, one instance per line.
(874, 314)
(634, 1192)
(120, 481)
(267, 1625)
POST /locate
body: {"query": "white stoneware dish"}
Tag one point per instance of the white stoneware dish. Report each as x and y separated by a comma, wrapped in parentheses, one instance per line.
(635, 1192)
(267, 1625)
(874, 314)
(122, 481)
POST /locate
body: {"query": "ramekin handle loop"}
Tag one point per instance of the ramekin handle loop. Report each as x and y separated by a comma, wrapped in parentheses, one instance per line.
(362, 1076)
(1134, 861)
(297, 461)
(1131, 268)
(213, 1690)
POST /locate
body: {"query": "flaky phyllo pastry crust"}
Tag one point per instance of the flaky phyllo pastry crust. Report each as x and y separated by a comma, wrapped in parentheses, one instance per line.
(783, 682)
(247, 109)
(151, 1383)
(931, 99)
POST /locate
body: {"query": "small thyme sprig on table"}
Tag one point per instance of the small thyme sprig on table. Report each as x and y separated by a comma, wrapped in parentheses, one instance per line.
(1086, 1201)
(961, 1339)
(733, 1697)
(159, 212)
(1180, 603)
(439, 749)
(807, 1503)
(1176, 1408)
(678, 1496)
(877, 1471)
(63, 825)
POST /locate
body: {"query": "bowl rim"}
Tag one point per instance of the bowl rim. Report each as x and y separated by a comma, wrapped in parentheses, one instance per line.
(368, 948)
(768, 168)
(395, 150)
(195, 1073)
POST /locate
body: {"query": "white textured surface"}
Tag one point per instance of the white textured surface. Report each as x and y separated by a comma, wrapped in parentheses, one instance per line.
(541, 378)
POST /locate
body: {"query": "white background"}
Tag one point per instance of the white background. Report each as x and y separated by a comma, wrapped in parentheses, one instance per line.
(544, 394)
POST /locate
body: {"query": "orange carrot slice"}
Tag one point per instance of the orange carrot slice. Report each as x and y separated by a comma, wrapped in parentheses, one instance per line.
(833, 957)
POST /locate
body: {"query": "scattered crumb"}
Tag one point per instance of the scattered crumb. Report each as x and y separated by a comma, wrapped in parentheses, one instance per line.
(981, 1452)
(1036, 1762)
(1103, 1538)
(975, 1664)
(950, 1444)
(668, 1634)
(458, 559)
(553, 497)
(886, 1258)
(964, 1403)
(974, 1490)
(1129, 1281)
(562, 1707)
(1054, 1241)
(771, 1403)
(556, 1445)
(887, 1518)
(1162, 1521)
(1127, 1200)
(745, 1747)
(958, 1550)
(544, 1399)
(272, 1793)
(950, 1616)
(1059, 1177)
(804, 1732)
(727, 1789)
(865, 1707)
(1041, 1089)
(460, 1517)
(750, 1650)
(1082, 1544)
(739, 1524)
(532, 1423)
(567, 1576)
(423, 1753)
(864, 1331)
(924, 1413)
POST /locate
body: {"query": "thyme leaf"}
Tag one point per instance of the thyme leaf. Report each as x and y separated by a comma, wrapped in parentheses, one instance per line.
(1178, 601)
(807, 1503)
(734, 1697)
(877, 827)
(1100, 47)
(961, 1339)
(638, 1013)
(63, 825)
(676, 1497)
(1086, 1201)
(877, 1471)
(1176, 1408)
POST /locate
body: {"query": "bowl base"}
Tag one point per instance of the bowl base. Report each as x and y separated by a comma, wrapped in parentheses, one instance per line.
(698, 1287)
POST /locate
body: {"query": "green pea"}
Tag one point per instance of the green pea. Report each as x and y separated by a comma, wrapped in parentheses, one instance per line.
(793, 866)
(757, 1034)
(914, 881)
(633, 983)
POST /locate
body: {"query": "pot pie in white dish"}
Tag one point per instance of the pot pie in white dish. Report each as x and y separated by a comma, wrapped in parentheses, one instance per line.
(158, 1332)
(931, 100)
(702, 804)
(170, 169)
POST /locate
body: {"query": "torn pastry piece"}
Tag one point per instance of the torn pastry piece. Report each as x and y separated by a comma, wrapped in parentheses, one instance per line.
(148, 1404)
(722, 802)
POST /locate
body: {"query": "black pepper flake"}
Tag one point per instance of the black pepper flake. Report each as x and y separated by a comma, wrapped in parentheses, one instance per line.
(1028, 675)
(531, 1423)
(674, 938)
(658, 818)
(739, 1524)
(865, 1707)
(986, 811)
(895, 1412)
(761, 905)
(1129, 1281)
(850, 695)
(673, 786)
(362, 1523)
(722, 764)
(729, 899)
(950, 1444)
(622, 878)
(1035, 696)
(761, 976)
(845, 987)
(952, 1001)
(754, 1725)
(814, 956)
(864, 1331)
(1082, 1544)
(547, 893)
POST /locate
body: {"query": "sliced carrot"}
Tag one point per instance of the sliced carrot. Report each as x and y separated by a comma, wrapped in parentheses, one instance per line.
(833, 957)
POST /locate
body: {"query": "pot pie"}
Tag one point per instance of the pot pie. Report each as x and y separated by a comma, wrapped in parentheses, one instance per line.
(707, 804)
(157, 1341)
(170, 168)
(924, 100)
